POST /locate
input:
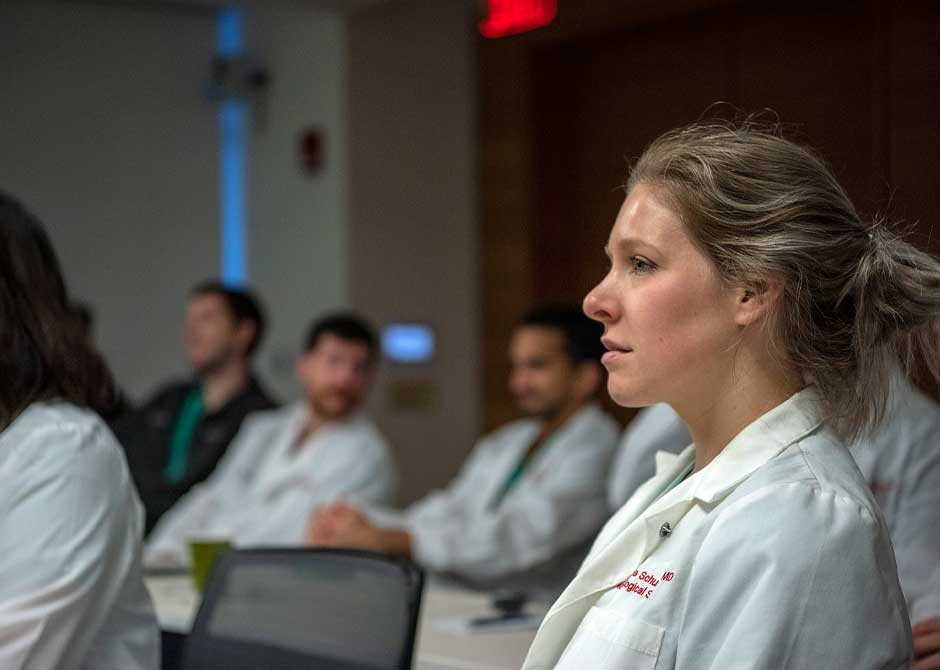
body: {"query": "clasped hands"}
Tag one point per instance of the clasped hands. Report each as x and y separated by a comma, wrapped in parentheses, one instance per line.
(343, 525)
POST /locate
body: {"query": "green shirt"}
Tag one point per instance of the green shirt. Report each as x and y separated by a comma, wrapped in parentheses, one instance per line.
(516, 473)
(190, 415)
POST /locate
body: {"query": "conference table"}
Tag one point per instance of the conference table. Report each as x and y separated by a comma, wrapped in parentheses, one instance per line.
(446, 640)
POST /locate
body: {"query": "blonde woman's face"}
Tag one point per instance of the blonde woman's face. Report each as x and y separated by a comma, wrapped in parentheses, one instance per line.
(669, 323)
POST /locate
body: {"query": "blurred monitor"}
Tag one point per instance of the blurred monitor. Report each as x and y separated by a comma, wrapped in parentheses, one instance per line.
(408, 342)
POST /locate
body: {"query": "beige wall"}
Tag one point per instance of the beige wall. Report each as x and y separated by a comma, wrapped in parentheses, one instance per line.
(106, 134)
(298, 223)
(413, 210)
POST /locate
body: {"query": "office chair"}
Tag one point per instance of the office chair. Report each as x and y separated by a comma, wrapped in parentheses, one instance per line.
(310, 609)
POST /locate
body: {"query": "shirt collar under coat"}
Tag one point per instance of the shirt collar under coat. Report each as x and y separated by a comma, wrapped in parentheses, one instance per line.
(301, 412)
(634, 532)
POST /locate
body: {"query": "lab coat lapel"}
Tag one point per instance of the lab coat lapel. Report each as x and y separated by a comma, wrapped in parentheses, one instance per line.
(641, 519)
(506, 459)
(634, 531)
(761, 441)
(280, 467)
(554, 452)
(668, 468)
(637, 525)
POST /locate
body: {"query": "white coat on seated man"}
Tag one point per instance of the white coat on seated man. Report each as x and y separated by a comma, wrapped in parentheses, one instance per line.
(901, 464)
(531, 495)
(285, 463)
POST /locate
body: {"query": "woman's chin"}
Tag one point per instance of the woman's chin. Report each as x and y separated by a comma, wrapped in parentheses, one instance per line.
(629, 395)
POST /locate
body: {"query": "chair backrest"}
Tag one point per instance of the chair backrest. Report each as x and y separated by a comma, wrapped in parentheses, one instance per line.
(315, 609)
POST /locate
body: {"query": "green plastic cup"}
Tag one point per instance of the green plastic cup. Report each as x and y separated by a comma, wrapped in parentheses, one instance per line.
(204, 551)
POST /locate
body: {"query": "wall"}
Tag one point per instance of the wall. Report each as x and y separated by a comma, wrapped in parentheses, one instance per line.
(567, 108)
(299, 248)
(107, 136)
(413, 239)
(111, 138)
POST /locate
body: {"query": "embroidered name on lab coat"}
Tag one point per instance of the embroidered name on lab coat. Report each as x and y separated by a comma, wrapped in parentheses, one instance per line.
(644, 583)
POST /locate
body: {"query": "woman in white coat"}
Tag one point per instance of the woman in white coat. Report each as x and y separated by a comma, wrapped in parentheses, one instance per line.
(71, 592)
(745, 292)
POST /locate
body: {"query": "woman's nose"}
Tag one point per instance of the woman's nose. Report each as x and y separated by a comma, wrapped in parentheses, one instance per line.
(596, 306)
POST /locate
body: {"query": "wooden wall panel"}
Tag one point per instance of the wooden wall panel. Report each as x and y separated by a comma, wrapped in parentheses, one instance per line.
(508, 214)
(813, 65)
(618, 95)
(858, 81)
(914, 119)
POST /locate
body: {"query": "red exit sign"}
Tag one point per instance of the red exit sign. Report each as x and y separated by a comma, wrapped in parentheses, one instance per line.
(510, 17)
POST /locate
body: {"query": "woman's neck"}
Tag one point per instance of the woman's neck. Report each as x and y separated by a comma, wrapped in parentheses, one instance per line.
(720, 411)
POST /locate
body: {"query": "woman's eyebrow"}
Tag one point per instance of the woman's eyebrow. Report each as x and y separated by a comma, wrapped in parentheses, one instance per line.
(629, 243)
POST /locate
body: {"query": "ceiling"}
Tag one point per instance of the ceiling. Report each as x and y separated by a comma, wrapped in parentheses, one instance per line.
(344, 6)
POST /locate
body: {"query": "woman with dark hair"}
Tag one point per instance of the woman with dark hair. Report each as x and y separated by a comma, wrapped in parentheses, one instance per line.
(71, 590)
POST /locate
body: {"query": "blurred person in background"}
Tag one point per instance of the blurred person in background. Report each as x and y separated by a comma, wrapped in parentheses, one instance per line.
(285, 463)
(654, 429)
(901, 463)
(530, 494)
(177, 437)
(71, 592)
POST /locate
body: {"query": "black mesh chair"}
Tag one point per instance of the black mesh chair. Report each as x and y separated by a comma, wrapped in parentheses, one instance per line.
(315, 609)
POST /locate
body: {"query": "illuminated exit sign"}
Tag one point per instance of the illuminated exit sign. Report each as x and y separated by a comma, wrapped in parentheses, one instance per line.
(510, 17)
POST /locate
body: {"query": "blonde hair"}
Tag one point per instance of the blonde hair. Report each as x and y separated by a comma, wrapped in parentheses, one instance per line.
(856, 299)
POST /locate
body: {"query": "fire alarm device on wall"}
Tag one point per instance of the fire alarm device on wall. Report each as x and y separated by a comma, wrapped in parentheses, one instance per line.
(311, 151)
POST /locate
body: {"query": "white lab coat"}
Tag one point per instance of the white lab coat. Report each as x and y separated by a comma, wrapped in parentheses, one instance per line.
(900, 462)
(265, 488)
(654, 428)
(71, 591)
(555, 507)
(775, 556)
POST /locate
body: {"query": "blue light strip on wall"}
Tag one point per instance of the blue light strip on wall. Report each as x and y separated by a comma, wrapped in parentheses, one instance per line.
(233, 115)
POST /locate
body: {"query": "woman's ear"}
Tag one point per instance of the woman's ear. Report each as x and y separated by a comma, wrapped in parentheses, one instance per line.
(755, 301)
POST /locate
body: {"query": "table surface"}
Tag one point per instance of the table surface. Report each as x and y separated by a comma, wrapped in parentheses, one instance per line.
(443, 643)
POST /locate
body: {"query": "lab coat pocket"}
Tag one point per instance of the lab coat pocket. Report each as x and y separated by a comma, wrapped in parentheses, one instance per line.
(606, 640)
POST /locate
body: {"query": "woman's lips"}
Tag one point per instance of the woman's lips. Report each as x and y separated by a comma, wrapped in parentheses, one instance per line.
(614, 356)
(614, 351)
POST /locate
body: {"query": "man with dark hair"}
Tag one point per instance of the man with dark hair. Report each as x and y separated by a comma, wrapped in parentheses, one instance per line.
(284, 464)
(347, 327)
(531, 495)
(176, 438)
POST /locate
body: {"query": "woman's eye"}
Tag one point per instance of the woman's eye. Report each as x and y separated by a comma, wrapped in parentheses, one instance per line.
(640, 265)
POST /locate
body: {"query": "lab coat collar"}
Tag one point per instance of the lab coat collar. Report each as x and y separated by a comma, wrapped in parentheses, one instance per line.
(666, 460)
(760, 441)
(555, 446)
(635, 531)
(301, 412)
(629, 536)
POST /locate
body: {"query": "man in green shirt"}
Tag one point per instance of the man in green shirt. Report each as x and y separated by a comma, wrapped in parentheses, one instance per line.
(175, 439)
